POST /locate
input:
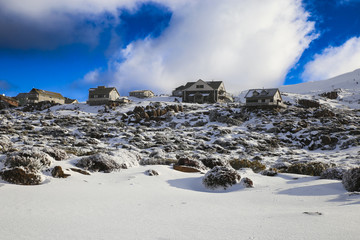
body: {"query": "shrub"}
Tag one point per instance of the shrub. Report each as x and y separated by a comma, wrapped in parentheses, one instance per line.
(30, 159)
(221, 177)
(256, 165)
(311, 168)
(189, 165)
(57, 154)
(351, 180)
(57, 172)
(213, 162)
(5, 144)
(20, 177)
(332, 173)
(100, 162)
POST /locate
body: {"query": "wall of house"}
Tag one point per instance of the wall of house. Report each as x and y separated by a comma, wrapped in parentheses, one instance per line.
(211, 98)
(36, 98)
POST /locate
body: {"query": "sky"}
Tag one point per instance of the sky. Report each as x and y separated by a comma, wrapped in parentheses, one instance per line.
(70, 46)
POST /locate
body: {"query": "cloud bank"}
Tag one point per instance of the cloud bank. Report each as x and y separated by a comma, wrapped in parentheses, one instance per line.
(334, 61)
(244, 43)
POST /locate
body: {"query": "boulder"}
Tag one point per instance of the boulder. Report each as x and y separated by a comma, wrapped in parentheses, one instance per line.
(57, 172)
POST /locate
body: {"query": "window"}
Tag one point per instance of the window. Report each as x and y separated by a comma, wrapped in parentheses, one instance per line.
(199, 86)
(262, 100)
(271, 100)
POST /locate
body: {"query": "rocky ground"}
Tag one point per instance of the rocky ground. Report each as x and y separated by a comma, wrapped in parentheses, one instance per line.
(295, 139)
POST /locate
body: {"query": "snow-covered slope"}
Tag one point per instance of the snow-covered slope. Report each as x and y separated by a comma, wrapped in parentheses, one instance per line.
(347, 82)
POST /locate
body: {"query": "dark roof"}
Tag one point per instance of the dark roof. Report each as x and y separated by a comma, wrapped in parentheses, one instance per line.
(102, 90)
(69, 100)
(48, 93)
(22, 95)
(213, 84)
(182, 87)
(261, 93)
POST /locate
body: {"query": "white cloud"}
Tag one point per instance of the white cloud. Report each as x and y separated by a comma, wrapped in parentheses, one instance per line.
(248, 43)
(92, 77)
(334, 61)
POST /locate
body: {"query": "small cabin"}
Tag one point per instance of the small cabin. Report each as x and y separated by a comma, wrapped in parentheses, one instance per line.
(102, 95)
(264, 97)
(142, 94)
(8, 101)
(38, 95)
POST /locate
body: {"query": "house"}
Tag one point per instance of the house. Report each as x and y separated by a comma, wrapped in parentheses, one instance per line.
(205, 92)
(141, 94)
(264, 97)
(8, 101)
(38, 95)
(71, 101)
(23, 98)
(102, 95)
(178, 92)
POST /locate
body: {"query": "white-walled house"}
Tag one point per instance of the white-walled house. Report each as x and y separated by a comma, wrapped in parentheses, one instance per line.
(102, 95)
(264, 97)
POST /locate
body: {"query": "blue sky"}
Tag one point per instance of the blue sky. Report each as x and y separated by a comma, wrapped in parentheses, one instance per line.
(69, 47)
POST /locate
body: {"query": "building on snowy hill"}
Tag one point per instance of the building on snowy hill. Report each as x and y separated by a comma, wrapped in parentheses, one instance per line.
(205, 92)
(8, 101)
(38, 95)
(142, 94)
(102, 95)
(71, 101)
(264, 97)
(178, 92)
(22, 98)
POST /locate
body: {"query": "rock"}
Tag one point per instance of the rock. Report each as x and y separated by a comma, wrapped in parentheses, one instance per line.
(57, 172)
(271, 172)
(80, 171)
(186, 169)
(151, 172)
(351, 180)
(247, 182)
(20, 177)
(221, 177)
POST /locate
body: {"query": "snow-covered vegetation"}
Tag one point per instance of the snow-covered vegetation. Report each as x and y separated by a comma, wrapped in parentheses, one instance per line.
(219, 171)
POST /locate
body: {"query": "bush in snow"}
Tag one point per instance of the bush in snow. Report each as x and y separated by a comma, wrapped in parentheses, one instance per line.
(247, 182)
(100, 162)
(310, 168)
(189, 165)
(57, 172)
(332, 173)
(221, 177)
(31, 159)
(351, 180)
(212, 162)
(20, 176)
(5, 144)
(256, 165)
(57, 154)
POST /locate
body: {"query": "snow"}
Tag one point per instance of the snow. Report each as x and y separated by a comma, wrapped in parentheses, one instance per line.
(175, 205)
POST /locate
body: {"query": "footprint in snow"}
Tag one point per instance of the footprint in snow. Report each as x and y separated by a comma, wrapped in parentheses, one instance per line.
(313, 213)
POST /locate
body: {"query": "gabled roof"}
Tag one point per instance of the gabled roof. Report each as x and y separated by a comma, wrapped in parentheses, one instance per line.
(141, 91)
(47, 93)
(262, 93)
(213, 84)
(102, 90)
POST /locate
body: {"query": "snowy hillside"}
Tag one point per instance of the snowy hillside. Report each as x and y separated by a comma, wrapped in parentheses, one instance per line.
(143, 170)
